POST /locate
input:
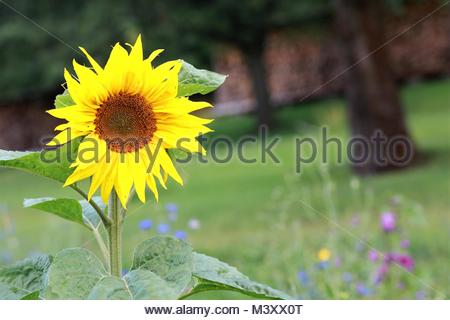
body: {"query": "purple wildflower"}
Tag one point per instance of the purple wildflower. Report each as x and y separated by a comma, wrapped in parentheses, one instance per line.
(362, 290)
(322, 265)
(406, 261)
(373, 255)
(303, 277)
(145, 224)
(180, 234)
(420, 295)
(405, 243)
(381, 273)
(163, 228)
(390, 257)
(171, 207)
(388, 221)
(337, 262)
(194, 224)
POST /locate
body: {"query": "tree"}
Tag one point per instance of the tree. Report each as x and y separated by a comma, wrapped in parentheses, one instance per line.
(244, 25)
(35, 51)
(373, 101)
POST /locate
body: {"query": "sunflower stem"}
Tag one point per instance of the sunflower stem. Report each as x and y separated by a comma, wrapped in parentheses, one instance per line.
(115, 235)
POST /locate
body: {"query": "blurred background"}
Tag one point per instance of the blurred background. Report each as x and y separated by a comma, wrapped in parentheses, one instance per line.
(355, 66)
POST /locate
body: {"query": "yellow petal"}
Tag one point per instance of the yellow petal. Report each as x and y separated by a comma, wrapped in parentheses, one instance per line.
(136, 50)
(93, 89)
(153, 55)
(108, 183)
(167, 165)
(152, 186)
(139, 177)
(75, 113)
(91, 150)
(80, 174)
(180, 106)
(113, 75)
(99, 177)
(124, 179)
(94, 63)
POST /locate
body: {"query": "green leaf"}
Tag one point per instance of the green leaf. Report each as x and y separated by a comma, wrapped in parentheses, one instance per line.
(214, 274)
(73, 274)
(8, 292)
(146, 285)
(64, 100)
(193, 81)
(31, 296)
(90, 216)
(53, 164)
(70, 209)
(167, 257)
(136, 285)
(110, 288)
(27, 275)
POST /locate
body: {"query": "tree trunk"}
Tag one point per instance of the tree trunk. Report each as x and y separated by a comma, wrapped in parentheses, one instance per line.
(374, 106)
(257, 70)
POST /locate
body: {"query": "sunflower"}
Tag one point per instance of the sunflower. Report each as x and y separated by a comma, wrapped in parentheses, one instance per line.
(129, 115)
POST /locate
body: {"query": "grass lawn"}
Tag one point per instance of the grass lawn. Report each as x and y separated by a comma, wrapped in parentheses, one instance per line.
(270, 222)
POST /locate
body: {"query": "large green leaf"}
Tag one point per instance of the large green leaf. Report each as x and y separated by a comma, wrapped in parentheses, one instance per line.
(110, 288)
(70, 209)
(193, 81)
(167, 257)
(27, 275)
(214, 274)
(53, 164)
(73, 274)
(8, 292)
(146, 285)
(64, 100)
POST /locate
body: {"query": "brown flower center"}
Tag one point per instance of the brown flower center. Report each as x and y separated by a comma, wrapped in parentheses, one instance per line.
(126, 122)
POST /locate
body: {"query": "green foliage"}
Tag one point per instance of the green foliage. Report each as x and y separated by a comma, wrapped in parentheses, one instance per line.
(167, 257)
(110, 288)
(174, 261)
(73, 274)
(194, 81)
(64, 100)
(146, 285)
(70, 209)
(26, 277)
(32, 59)
(53, 164)
(164, 268)
(244, 24)
(214, 274)
(90, 216)
(8, 292)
